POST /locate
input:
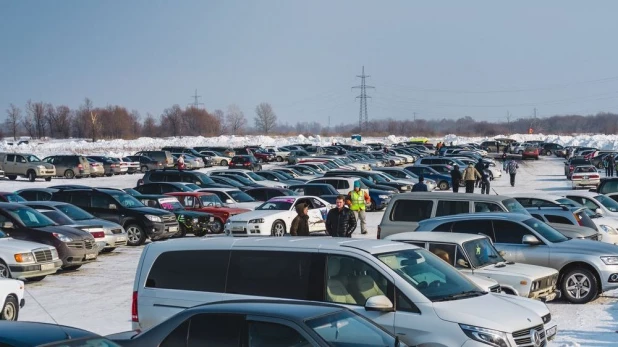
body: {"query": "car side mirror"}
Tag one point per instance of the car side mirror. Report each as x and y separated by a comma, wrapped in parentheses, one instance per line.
(598, 211)
(530, 240)
(8, 225)
(112, 206)
(594, 190)
(463, 263)
(229, 201)
(379, 303)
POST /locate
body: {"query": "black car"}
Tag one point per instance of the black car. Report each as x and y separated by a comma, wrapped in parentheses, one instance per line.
(117, 206)
(224, 180)
(28, 334)
(197, 178)
(166, 187)
(75, 247)
(242, 180)
(267, 193)
(549, 148)
(190, 222)
(37, 194)
(263, 323)
(373, 177)
(247, 162)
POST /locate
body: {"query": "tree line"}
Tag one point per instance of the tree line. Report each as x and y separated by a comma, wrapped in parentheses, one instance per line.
(40, 120)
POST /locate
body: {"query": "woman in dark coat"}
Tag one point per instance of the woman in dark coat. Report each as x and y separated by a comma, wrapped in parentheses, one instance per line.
(300, 223)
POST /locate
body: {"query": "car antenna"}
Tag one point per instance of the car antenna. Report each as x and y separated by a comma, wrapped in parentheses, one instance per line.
(68, 336)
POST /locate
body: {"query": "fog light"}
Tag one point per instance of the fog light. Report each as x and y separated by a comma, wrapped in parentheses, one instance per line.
(613, 278)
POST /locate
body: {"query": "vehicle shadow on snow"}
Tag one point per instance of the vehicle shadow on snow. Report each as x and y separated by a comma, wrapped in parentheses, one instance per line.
(549, 189)
(595, 338)
(551, 179)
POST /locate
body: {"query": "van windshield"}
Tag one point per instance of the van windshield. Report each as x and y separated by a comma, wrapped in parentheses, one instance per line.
(430, 275)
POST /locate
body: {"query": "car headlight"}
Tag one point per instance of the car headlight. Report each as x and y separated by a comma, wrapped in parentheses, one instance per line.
(41, 167)
(196, 220)
(62, 237)
(384, 196)
(153, 218)
(257, 220)
(488, 336)
(24, 258)
(405, 187)
(613, 260)
(608, 229)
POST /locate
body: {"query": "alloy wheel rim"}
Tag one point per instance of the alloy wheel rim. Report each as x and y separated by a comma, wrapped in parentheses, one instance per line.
(9, 312)
(133, 234)
(4, 271)
(578, 286)
(279, 229)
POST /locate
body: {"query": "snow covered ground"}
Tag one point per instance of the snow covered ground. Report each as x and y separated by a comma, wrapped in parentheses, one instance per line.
(97, 297)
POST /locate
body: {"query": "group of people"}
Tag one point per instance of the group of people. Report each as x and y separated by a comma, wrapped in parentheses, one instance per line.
(609, 163)
(473, 176)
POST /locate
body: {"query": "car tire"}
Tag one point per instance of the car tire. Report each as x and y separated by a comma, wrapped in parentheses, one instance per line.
(278, 228)
(71, 267)
(217, 226)
(10, 309)
(35, 279)
(135, 235)
(223, 162)
(48, 179)
(69, 174)
(279, 158)
(31, 176)
(12, 177)
(443, 185)
(108, 250)
(520, 152)
(579, 279)
(5, 272)
(548, 152)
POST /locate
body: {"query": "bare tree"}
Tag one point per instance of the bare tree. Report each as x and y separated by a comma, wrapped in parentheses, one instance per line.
(29, 126)
(62, 122)
(265, 118)
(171, 121)
(13, 119)
(149, 128)
(220, 117)
(236, 120)
(95, 125)
(36, 113)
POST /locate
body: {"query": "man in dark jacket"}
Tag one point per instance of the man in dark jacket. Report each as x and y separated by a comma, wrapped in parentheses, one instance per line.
(485, 180)
(480, 166)
(420, 186)
(340, 221)
(456, 178)
(300, 223)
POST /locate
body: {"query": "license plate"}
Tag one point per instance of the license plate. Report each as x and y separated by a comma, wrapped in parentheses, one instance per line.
(122, 238)
(173, 228)
(45, 267)
(551, 332)
(91, 256)
(585, 177)
(212, 219)
(238, 228)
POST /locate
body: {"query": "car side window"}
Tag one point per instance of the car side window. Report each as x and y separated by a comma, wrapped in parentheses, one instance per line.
(538, 216)
(187, 201)
(541, 203)
(351, 281)
(10, 158)
(178, 337)
(590, 204)
(444, 227)
(447, 208)
(558, 219)
(215, 330)
(404, 304)
(474, 227)
(272, 334)
(102, 201)
(411, 210)
(79, 199)
(29, 195)
(301, 191)
(258, 195)
(444, 251)
(156, 177)
(509, 232)
(20, 159)
(487, 207)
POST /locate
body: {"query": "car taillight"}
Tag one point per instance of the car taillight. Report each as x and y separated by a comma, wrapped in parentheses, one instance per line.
(159, 163)
(97, 234)
(134, 317)
(379, 231)
(571, 168)
(247, 164)
(579, 220)
(80, 167)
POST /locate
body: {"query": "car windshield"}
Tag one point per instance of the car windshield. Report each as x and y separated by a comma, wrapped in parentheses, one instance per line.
(378, 178)
(32, 159)
(14, 198)
(482, 253)
(211, 200)
(608, 203)
(348, 329)
(170, 204)
(330, 165)
(74, 212)
(239, 196)
(513, 205)
(389, 176)
(57, 217)
(255, 176)
(204, 178)
(278, 205)
(549, 233)
(127, 200)
(31, 218)
(84, 342)
(228, 181)
(430, 275)
(240, 179)
(285, 176)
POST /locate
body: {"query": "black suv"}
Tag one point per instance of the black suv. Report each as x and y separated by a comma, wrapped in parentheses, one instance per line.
(247, 162)
(195, 177)
(190, 151)
(119, 207)
(550, 148)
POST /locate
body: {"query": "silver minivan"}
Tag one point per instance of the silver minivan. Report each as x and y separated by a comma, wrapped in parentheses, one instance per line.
(406, 210)
(406, 289)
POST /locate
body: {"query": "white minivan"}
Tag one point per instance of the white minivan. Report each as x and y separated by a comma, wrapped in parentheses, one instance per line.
(406, 289)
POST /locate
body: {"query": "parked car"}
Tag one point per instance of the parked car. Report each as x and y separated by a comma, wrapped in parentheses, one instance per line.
(190, 222)
(22, 334)
(551, 148)
(251, 176)
(279, 177)
(36, 194)
(233, 197)
(450, 312)
(109, 165)
(185, 150)
(586, 268)
(132, 165)
(139, 221)
(69, 166)
(585, 176)
(608, 185)
(26, 260)
(599, 203)
(476, 255)
(197, 178)
(530, 153)
(265, 322)
(75, 247)
(96, 169)
(210, 203)
(246, 162)
(146, 163)
(582, 226)
(26, 165)
(164, 157)
(114, 235)
(266, 193)
(217, 158)
(11, 299)
(230, 181)
(571, 164)
(280, 154)
(444, 181)
(261, 156)
(374, 177)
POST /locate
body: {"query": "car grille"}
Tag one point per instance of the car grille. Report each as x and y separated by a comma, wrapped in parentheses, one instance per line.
(43, 256)
(120, 243)
(524, 337)
(167, 219)
(87, 244)
(495, 289)
(594, 237)
(116, 231)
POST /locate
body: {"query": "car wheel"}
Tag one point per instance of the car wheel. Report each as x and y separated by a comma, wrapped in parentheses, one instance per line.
(443, 185)
(278, 228)
(108, 250)
(71, 267)
(143, 168)
(223, 162)
(10, 310)
(35, 279)
(31, 176)
(5, 272)
(69, 174)
(12, 177)
(48, 179)
(279, 158)
(520, 152)
(135, 235)
(217, 226)
(548, 152)
(372, 206)
(579, 286)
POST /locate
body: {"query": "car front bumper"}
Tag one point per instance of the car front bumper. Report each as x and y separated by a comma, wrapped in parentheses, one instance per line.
(77, 256)
(115, 240)
(159, 231)
(244, 228)
(21, 272)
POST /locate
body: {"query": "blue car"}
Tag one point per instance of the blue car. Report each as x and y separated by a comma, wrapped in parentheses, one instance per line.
(379, 198)
(444, 181)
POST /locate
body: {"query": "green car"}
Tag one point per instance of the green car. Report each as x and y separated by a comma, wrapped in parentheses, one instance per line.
(190, 222)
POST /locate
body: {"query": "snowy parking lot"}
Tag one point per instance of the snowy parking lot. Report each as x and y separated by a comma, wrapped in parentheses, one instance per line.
(97, 297)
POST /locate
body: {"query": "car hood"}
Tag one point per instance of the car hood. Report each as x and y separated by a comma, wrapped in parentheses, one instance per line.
(488, 311)
(152, 211)
(532, 271)
(10, 244)
(66, 230)
(192, 214)
(579, 246)
(247, 205)
(256, 214)
(99, 222)
(569, 230)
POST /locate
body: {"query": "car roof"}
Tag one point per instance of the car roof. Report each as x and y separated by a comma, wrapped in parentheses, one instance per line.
(434, 236)
(480, 215)
(580, 193)
(35, 333)
(286, 309)
(450, 196)
(192, 193)
(49, 190)
(218, 189)
(45, 203)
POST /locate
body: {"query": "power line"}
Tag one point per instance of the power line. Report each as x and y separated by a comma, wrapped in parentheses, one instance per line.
(363, 115)
(196, 103)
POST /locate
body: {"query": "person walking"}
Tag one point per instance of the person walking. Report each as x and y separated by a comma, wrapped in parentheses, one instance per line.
(300, 223)
(485, 180)
(357, 200)
(511, 169)
(456, 178)
(181, 162)
(470, 175)
(480, 166)
(420, 186)
(340, 221)
(612, 165)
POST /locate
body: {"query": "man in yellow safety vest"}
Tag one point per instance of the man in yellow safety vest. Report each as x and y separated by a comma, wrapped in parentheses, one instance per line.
(357, 199)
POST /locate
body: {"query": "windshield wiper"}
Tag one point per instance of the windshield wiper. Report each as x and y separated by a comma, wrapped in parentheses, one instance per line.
(466, 294)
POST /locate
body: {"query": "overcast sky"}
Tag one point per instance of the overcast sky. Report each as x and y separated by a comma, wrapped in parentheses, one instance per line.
(436, 58)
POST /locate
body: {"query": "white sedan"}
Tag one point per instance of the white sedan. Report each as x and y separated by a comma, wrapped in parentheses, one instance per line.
(275, 216)
(585, 176)
(11, 298)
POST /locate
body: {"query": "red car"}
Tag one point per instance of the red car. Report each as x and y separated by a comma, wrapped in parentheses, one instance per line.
(530, 153)
(262, 156)
(208, 202)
